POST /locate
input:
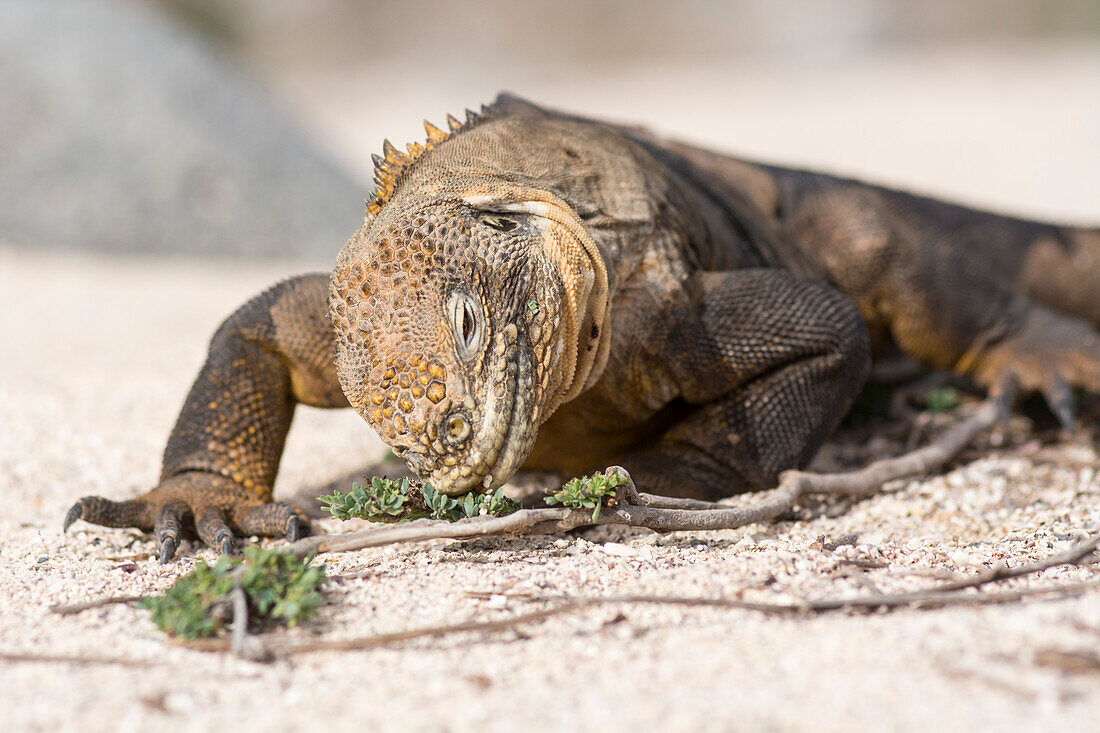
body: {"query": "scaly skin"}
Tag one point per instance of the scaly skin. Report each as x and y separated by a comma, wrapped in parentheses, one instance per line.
(532, 289)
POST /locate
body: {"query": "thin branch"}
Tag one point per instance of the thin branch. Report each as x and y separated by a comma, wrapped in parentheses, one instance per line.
(933, 456)
(952, 593)
(666, 514)
(931, 598)
(1075, 555)
(525, 521)
(371, 642)
(656, 501)
(1069, 661)
(243, 646)
(240, 621)
(67, 610)
(568, 604)
(72, 659)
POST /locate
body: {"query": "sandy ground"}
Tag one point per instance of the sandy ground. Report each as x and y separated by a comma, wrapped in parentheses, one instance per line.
(97, 355)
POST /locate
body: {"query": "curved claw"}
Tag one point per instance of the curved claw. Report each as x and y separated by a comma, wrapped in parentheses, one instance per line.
(1060, 400)
(1005, 393)
(167, 550)
(226, 545)
(293, 529)
(75, 513)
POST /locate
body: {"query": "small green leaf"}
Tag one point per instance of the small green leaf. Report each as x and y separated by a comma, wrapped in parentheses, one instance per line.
(592, 492)
(941, 399)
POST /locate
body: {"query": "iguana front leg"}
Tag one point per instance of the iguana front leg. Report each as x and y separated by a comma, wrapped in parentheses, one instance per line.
(221, 459)
(769, 363)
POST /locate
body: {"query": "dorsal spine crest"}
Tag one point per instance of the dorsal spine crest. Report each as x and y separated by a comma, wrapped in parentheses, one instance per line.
(392, 164)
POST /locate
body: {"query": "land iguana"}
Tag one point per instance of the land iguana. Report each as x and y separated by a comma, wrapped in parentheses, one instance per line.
(534, 289)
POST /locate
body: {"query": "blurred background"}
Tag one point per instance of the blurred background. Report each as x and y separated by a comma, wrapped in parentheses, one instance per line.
(245, 128)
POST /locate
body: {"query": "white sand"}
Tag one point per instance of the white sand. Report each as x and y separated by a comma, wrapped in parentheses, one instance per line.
(97, 355)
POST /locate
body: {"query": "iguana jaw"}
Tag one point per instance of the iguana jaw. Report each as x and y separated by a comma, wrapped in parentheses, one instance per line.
(506, 423)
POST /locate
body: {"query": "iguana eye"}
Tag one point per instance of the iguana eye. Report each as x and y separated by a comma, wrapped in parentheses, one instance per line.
(466, 319)
(498, 222)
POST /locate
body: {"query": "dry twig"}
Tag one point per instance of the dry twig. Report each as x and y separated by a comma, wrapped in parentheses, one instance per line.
(66, 610)
(371, 642)
(72, 659)
(952, 593)
(930, 598)
(665, 514)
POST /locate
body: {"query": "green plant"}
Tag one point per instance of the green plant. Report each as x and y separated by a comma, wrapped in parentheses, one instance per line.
(590, 492)
(441, 506)
(495, 504)
(380, 500)
(388, 500)
(280, 588)
(941, 399)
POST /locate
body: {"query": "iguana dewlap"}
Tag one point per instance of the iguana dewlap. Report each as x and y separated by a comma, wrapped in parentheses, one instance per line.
(533, 289)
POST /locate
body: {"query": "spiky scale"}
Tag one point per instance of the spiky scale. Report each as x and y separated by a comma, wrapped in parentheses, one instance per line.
(435, 135)
(471, 117)
(453, 123)
(392, 154)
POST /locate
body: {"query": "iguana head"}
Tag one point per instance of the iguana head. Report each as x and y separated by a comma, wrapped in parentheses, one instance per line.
(468, 306)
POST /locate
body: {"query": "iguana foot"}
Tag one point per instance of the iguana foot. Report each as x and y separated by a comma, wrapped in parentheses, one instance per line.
(213, 507)
(1052, 354)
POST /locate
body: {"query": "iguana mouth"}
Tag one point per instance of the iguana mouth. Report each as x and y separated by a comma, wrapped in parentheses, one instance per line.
(508, 427)
(519, 436)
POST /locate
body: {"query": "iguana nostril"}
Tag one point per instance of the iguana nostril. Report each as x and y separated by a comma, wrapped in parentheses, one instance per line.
(413, 459)
(458, 429)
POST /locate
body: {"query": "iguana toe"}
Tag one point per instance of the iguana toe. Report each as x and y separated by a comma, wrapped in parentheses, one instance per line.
(1005, 393)
(107, 513)
(1060, 400)
(273, 520)
(167, 550)
(293, 529)
(169, 525)
(213, 530)
(71, 516)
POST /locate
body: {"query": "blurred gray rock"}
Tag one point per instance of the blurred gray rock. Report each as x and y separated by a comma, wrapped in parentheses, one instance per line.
(119, 131)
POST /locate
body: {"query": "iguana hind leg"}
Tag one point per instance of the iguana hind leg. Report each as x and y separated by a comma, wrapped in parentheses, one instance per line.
(962, 290)
(767, 363)
(222, 456)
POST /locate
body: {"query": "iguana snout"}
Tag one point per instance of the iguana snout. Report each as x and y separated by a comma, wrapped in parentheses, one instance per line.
(443, 315)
